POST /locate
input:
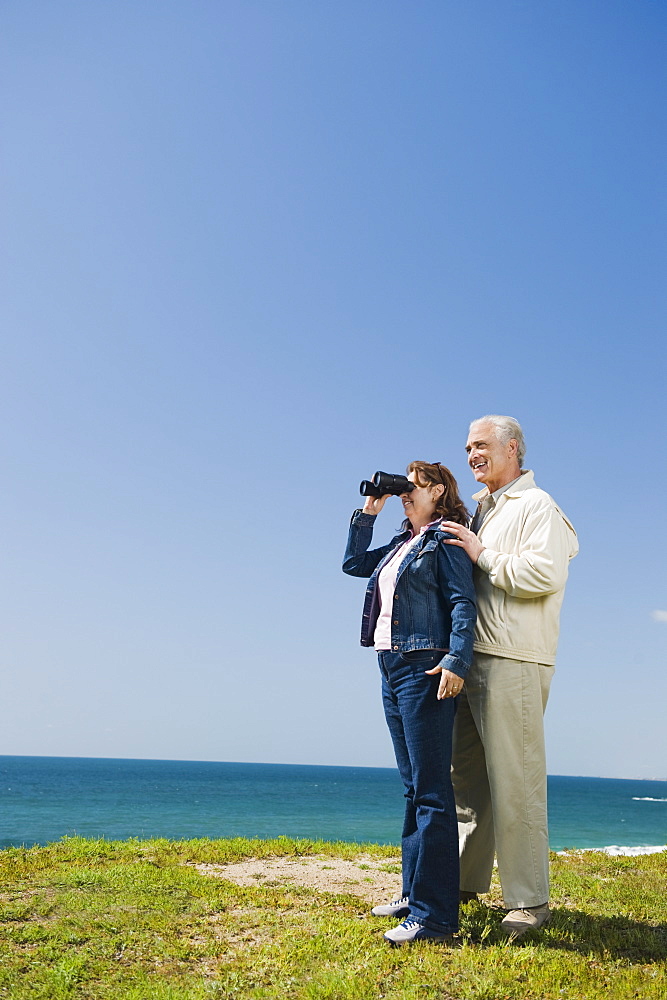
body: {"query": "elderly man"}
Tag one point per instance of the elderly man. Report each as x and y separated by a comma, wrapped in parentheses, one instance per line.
(521, 544)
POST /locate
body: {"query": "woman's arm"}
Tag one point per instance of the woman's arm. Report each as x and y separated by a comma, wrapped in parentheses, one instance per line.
(455, 573)
(358, 560)
(456, 581)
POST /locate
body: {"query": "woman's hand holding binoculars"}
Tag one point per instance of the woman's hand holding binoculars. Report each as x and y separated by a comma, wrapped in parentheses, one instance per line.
(374, 505)
(380, 487)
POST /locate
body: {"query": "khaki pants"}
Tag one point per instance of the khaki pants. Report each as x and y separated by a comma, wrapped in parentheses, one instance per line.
(500, 780)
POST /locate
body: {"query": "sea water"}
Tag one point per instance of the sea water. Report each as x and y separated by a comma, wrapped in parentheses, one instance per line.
(45, 798)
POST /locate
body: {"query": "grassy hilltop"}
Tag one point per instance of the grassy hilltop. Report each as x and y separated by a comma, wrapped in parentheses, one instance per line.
(134, 920)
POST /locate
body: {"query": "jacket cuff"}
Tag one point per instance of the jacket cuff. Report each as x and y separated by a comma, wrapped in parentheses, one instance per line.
(359, 517)
(454, 663)
(485, 560)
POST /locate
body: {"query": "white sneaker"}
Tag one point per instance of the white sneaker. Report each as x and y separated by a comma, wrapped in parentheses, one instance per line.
(411, 930)
(397, 908)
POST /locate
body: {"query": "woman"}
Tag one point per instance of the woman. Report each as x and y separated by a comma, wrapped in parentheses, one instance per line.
(419, 614)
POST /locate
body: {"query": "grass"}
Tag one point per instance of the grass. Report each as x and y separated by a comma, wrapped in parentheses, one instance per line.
(134, 920)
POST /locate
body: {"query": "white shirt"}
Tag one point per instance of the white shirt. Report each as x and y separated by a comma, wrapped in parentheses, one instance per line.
(386, 587)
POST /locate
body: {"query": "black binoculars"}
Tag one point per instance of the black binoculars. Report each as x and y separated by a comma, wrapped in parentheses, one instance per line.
(386, 482)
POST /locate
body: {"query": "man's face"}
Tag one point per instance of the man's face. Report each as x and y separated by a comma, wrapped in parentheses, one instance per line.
(492, 463)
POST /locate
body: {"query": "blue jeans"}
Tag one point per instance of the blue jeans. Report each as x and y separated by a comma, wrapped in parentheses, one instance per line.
(421, 731)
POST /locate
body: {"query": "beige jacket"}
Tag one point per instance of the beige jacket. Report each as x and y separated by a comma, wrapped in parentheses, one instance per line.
(520, 576)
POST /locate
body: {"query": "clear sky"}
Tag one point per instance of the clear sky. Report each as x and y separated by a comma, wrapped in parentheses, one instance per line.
(256, 250)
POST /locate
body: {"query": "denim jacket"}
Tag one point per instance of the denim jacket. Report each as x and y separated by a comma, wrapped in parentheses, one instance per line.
(434, 599)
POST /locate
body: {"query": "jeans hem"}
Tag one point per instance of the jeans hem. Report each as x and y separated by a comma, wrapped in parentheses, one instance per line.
(431, 925)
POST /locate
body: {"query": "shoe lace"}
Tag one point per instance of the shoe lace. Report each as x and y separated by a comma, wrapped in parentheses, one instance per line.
(409, 923)
(398, 902)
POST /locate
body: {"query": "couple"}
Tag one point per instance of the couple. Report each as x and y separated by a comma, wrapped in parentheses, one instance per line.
(465, 622)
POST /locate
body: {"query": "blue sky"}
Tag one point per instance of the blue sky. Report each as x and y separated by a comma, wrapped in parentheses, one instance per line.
(255, 251)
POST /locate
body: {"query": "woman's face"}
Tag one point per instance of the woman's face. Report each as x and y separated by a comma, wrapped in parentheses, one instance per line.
(420, 503)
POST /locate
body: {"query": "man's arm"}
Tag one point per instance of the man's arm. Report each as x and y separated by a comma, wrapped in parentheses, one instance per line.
(546, 544)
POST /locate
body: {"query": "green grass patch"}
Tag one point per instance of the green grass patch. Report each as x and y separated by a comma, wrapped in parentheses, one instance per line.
(134, 920)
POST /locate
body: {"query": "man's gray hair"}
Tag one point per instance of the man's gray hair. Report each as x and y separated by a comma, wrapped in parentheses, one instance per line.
(506, 429)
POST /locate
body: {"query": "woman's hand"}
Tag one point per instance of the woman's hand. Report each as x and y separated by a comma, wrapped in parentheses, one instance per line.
(450, 684)
(374, 505)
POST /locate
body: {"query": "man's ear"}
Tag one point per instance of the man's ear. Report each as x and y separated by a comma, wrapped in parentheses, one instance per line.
(513, 446)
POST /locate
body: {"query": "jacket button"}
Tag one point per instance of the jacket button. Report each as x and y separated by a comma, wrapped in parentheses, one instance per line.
(395, 647)
(396, 623)
(395, 597)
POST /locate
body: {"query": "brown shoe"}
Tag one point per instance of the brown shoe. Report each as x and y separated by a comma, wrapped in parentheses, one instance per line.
(530, 918)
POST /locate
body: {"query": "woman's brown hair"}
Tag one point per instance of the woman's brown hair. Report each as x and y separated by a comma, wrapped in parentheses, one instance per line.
(450, 506)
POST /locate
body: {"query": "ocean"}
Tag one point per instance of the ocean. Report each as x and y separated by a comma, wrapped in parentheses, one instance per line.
(45, 798)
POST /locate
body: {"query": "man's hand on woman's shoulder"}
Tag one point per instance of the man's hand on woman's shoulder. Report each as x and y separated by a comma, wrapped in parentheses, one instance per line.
(464, 538)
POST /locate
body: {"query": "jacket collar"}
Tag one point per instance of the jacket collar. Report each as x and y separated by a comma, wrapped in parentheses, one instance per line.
(526, 481)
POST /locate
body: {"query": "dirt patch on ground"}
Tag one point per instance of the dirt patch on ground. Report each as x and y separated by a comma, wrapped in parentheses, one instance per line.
(372, 879)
